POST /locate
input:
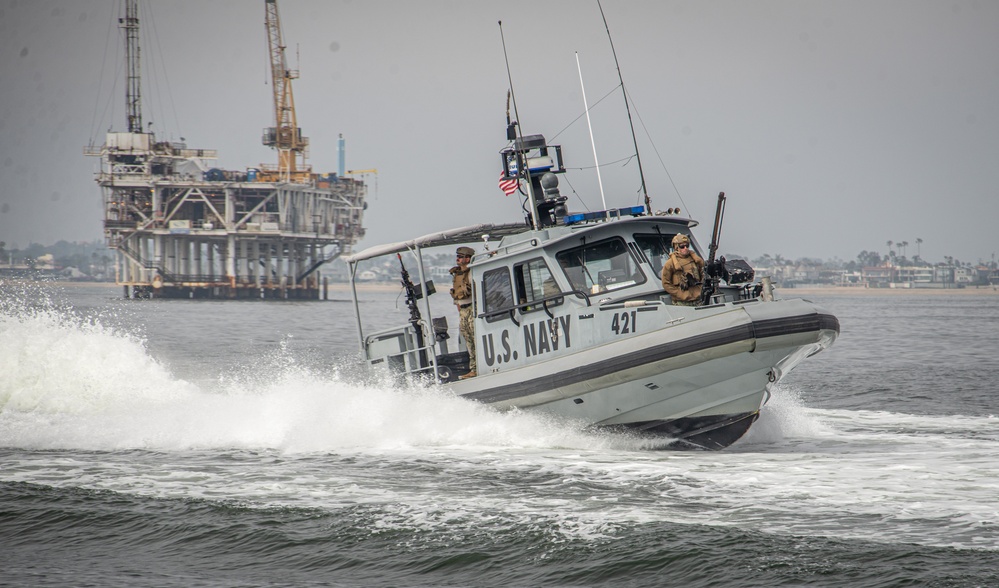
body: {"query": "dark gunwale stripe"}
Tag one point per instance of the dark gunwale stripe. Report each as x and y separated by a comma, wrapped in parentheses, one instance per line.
(755, 330)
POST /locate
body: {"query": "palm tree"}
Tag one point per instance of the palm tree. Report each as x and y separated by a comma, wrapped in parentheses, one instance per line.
(869, 258)
(903, 245)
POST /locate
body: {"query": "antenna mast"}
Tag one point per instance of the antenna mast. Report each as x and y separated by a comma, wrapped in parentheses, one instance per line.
(521, 161)
(133, 97)
(641, 175)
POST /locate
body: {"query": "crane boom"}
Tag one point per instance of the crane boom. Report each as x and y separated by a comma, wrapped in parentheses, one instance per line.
(133, 100)
(285, 136)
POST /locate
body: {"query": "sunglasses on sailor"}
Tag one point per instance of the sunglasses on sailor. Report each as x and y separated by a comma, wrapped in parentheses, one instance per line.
(682, 246)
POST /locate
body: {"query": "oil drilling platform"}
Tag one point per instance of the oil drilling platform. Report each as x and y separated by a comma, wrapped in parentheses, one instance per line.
(182, 228)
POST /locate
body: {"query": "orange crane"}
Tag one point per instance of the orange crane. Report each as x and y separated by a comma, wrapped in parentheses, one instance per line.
(285, 136)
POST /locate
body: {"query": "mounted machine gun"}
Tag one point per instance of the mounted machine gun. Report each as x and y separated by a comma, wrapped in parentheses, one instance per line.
(733, 272)
(413, 294)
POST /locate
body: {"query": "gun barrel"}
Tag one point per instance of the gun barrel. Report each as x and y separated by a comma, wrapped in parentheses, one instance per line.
(716, 233)
(710, 281)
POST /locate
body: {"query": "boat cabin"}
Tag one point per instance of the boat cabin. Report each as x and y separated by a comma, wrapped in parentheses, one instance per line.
(538, 293)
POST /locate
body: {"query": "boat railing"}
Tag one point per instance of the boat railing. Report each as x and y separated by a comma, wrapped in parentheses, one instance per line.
(403, 362)
(514, 247)
(543, 302)
(737, 294)
(396, 346)
(618, 304)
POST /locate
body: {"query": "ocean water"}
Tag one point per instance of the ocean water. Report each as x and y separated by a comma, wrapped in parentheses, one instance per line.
(214, 443)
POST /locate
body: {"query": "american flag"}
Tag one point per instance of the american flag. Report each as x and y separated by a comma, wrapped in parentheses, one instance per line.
(508, 186)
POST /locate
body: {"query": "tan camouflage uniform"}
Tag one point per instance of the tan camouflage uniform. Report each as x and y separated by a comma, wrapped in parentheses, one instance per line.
(675, 272)
(461, 292)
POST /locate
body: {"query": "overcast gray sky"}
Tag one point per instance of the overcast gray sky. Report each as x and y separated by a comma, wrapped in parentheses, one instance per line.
(833, 126)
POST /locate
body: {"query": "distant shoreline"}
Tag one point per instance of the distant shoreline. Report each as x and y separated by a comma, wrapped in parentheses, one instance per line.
(781, 292)
(859, 291)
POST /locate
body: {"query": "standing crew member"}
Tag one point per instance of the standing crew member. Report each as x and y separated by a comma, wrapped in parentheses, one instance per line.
(683, 273)
(461, 292)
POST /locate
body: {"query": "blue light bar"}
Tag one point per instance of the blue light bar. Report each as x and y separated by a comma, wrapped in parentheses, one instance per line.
(571, 219)
(632, 210)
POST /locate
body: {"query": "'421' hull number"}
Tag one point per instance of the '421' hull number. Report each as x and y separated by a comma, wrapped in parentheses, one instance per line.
(624, 323)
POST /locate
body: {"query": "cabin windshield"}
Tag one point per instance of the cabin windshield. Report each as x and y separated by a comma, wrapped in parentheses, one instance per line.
(498, 292)
(535, 282)
(657, 248)
(600, 267)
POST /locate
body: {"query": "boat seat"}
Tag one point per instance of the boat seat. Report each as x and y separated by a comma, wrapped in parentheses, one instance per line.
(440, 332)
(440, 328)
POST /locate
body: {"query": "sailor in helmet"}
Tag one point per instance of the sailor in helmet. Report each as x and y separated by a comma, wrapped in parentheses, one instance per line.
(461, 292)
(683, 273)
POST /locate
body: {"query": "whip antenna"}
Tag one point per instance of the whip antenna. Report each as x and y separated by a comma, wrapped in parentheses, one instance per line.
(593, 143)
(641, 175)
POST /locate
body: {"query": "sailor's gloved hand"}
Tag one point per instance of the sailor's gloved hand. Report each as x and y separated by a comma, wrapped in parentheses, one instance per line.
(689, 281)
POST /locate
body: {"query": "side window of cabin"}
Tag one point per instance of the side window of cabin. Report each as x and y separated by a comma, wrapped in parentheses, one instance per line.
(657, 248)
(600, 267)
(497, 293)
(534, 282)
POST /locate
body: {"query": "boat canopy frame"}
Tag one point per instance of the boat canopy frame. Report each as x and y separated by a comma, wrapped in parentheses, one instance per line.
(468, 234)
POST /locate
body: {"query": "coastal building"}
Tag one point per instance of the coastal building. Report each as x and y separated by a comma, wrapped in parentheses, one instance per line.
(943, 274)
(915, 275)
(965, 275)
(847, 278)
(880, 276)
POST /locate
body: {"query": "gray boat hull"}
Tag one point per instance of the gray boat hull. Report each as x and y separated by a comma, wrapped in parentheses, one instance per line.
(701, 380)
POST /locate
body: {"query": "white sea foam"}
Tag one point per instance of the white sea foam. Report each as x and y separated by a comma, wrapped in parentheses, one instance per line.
(785, 417)
(72, 384)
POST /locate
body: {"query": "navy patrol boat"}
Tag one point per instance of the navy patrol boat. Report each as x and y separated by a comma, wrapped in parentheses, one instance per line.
(571, 318)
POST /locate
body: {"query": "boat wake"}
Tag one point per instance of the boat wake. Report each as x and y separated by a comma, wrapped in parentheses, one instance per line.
(71, 382)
